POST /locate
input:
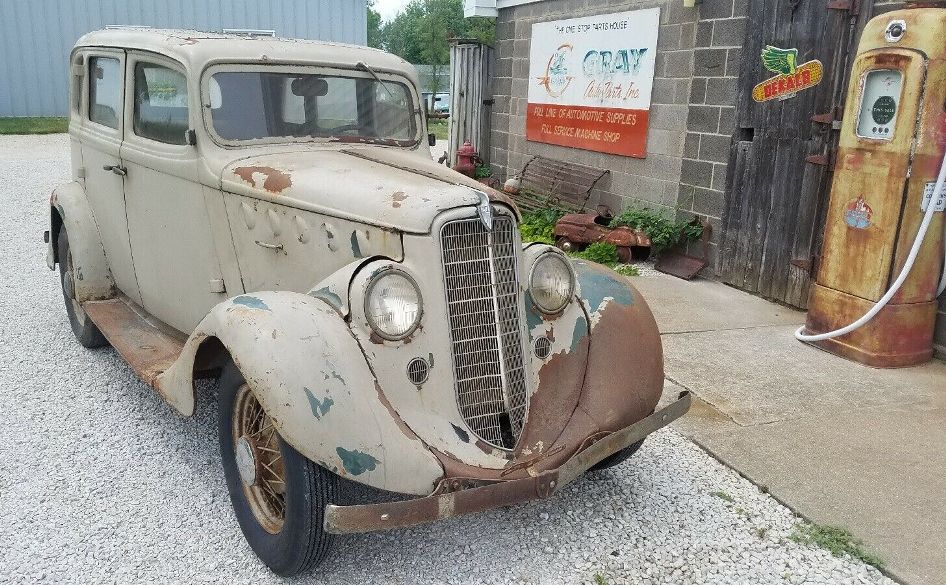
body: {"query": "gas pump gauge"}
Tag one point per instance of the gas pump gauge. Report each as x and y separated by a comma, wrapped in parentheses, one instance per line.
(879, 100)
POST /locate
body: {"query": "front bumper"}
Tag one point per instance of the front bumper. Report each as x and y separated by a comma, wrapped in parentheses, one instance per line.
(385, 516)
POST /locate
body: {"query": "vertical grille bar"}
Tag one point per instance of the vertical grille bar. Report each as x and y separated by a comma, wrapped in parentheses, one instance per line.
(482, 290)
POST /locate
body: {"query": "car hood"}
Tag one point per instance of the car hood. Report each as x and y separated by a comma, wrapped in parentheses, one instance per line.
(400, 190)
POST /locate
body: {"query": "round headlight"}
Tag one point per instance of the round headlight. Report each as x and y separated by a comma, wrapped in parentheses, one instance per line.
(393, 305)
(551, 282)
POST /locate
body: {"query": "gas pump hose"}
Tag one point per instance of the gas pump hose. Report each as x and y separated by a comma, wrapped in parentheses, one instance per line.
(907, 267)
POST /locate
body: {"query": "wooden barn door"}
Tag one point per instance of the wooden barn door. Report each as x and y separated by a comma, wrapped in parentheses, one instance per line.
(782, 155)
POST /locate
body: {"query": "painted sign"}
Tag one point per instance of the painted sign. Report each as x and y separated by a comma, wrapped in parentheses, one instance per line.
(791, 77)
(590, 81)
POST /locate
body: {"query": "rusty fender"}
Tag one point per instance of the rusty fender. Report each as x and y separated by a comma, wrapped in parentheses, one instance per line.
(303, 364)
(625, 370)
(538, 485)
(70, 209)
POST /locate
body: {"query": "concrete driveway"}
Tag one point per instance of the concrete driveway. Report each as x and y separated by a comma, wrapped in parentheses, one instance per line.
(841, 443)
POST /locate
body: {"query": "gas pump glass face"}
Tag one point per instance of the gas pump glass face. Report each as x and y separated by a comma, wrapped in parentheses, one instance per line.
(879, 102)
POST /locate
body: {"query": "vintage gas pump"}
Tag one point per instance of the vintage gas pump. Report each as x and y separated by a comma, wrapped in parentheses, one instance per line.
(882, 263)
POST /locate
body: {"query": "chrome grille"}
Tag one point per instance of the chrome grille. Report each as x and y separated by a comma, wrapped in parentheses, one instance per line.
(481, 277)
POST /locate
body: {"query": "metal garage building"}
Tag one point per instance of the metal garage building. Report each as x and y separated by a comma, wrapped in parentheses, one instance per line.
(37, 35)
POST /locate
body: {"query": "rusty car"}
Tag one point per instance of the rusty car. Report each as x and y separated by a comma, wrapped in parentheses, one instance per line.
(266, 212)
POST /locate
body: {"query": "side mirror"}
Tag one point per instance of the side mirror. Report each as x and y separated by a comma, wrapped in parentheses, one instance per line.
(432, 139)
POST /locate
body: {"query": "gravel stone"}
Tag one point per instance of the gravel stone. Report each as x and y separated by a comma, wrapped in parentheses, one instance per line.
(101, 482)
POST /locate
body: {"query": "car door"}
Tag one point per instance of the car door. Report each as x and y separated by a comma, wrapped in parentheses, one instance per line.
(99, 137)
(168, 221)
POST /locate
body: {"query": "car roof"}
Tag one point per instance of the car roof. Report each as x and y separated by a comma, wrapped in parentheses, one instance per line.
(197, 49)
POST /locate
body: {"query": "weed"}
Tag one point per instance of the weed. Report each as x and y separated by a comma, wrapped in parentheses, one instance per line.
(724, 496)
(600, 580)
(761, 531)
(663, 233)
(835, 540)
(483, 172)
(539, 225)
(599, 252)
(627, 270)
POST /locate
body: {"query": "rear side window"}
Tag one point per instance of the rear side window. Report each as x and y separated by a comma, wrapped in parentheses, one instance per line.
(160, 104)
(105, 94)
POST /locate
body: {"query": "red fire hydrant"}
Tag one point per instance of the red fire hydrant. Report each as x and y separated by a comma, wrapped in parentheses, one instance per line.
(467, 157)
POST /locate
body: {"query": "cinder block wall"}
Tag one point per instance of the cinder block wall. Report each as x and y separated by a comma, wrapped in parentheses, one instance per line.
(654, 180)
(691, 116)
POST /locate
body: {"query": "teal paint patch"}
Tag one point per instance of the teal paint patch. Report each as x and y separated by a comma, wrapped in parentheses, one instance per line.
(335, 375)
(356, 462)
(355, 247)
(598, 285)
(319, 407)
(251, 302)
(581, 330)
(328, 296)
(533, 316)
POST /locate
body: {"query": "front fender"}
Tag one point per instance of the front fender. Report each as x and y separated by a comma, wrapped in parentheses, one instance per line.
(309, 373)
(625, 371)
(70, 209)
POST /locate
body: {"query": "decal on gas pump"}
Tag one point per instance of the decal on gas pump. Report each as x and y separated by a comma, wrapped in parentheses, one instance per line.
(858, 214)
(791, 77)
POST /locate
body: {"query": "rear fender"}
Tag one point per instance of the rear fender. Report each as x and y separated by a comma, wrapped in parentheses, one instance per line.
(307, 370)
(70, 209)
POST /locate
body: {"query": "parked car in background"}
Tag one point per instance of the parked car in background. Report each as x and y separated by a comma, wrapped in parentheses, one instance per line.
(267, 212)
(437, 103)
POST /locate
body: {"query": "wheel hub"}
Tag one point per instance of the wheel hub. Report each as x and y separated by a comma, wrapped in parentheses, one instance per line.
(68, 284)
(246, 456)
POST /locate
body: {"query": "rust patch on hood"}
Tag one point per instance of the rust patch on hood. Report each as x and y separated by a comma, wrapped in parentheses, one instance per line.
(397, 197)
(275, 182)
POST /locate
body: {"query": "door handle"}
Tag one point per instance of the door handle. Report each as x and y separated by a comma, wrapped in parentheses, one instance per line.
(117, 169)
(268, 246)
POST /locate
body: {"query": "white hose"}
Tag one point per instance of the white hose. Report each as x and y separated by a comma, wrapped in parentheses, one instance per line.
(907, 267)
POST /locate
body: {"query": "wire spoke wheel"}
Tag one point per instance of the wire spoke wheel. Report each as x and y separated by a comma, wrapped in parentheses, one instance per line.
(259, 461)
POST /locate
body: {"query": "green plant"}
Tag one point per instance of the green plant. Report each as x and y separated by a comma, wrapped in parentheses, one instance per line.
(724, 496)
(600, 580)
(663, 232)
(599, 252)
(483, 172)
(837, 541)
(539, 225)
(627, 270)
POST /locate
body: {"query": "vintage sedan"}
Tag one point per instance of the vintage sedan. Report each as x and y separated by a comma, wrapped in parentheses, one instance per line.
(267, 212)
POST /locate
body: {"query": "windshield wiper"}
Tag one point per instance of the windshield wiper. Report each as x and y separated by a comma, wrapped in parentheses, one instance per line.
(374, 74)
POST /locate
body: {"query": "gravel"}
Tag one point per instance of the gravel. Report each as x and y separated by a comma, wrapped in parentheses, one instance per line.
(100, 482)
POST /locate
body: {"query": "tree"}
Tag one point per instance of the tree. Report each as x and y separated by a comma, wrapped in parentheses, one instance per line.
(421, 33)
(374, 26)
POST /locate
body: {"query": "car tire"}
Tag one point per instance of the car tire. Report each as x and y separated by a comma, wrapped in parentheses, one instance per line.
(288, 536)
(83, 327)
(617, 458)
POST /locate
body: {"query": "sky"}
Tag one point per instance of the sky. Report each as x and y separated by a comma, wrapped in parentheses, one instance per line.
(389, 8)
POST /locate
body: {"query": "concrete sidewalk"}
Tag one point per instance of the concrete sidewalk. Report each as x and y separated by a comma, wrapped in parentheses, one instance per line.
(840, 443)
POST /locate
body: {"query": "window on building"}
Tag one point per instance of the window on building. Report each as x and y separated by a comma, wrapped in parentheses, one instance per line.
(105, 91)
(160, 104)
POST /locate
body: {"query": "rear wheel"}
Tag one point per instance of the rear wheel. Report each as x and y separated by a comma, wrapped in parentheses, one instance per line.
(278, 495)
(83, 327)
(617, 458)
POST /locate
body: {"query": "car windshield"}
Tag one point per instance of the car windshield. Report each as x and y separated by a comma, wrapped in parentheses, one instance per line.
(284, 106)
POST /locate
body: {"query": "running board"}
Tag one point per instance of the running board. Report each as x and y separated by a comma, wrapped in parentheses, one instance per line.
(149, 346)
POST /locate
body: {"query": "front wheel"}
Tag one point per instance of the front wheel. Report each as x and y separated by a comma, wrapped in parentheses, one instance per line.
(83, 327)
(278, 495)
(617, 458)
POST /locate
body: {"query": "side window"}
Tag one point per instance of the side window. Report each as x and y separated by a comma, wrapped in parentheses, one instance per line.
(105, 94)
(160, 104)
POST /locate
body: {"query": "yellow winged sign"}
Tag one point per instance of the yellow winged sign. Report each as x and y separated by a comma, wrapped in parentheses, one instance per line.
(791, 77)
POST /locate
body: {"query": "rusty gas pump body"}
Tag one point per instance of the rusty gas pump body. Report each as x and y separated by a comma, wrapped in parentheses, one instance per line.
(891, 146)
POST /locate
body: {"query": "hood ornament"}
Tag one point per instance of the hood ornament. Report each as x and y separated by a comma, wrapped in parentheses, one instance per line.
(485, 210)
